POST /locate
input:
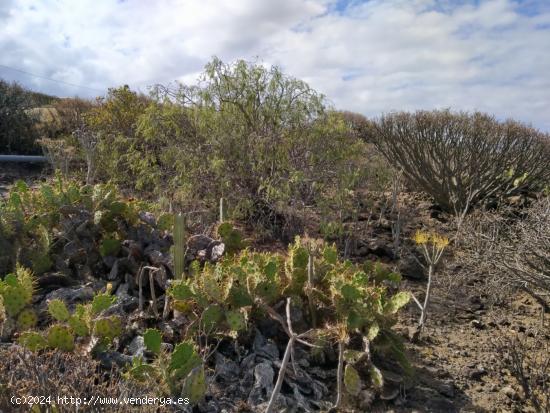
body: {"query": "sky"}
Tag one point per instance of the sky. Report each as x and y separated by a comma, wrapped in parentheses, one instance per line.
(370, 57)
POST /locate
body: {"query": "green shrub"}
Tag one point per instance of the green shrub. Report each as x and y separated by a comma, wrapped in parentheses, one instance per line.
(265, 142)
(17, 134)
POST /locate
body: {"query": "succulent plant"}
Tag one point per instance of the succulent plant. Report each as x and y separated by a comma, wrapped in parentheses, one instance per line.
(58, 310)
(152, 339)
(108, 327)
(231, 237)
(352, 380)
(296, 266)
(211, 317)
(16, 291)
(236, 320)
(33, 341)
(195, 385)
(109, 246)
(102, 302)
(79, 326)
(60, 337)
(27, 319)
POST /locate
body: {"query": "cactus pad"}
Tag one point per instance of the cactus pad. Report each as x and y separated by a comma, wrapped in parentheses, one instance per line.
(239, 297)
(184, 358)
(27, 319)
(376, 377)
(211, 317)
(195, 385)
(60, 337)
(79, 326)
(352, 380)
(14, 299)
(153, 340)
(33, 341)
(236, 320)
(58, 310)
(102, 302)
(108, 327)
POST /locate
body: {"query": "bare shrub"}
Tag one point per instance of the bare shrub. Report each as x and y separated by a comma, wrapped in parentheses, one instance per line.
(24, 374)
(511, 251)
(462, 159)
(528, 360)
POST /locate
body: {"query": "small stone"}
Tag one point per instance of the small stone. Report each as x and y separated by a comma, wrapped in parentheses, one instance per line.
(136, 346)
(478, 373)
(478, 324)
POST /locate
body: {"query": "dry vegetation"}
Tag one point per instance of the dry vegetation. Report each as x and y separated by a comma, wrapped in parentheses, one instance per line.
(157, 256)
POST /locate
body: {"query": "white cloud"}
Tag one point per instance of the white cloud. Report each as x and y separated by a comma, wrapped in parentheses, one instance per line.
(367, 56)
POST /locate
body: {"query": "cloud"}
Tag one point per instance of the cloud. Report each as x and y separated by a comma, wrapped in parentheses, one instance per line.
(366, 56)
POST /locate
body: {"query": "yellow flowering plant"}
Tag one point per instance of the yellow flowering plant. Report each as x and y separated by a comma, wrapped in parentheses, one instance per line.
(432, 246)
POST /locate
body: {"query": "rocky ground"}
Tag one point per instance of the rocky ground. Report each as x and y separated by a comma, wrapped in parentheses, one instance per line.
(458, 362)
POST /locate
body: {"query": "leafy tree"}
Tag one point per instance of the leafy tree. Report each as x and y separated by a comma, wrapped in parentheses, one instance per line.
(16, 124)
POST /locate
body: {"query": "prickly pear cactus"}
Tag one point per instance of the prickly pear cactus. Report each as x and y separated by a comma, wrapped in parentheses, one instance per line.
(296, 266)
(79, 326)
(211, 317)
(108, 327)
(152, 339)
(27, 319)
(60, 337)
(16, 291)
(58, 310)
(231, 237)
(352, 381)
(102, 302)
(195, 385)
(236, 320)
(33, 341)
(183, 359)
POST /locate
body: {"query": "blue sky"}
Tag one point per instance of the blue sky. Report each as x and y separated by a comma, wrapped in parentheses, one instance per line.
(367, 56)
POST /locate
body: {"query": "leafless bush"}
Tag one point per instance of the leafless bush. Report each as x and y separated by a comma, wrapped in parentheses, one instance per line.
(511, 251)
(24, 374)
(461, 159)
(88, 142)
(528, 360)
